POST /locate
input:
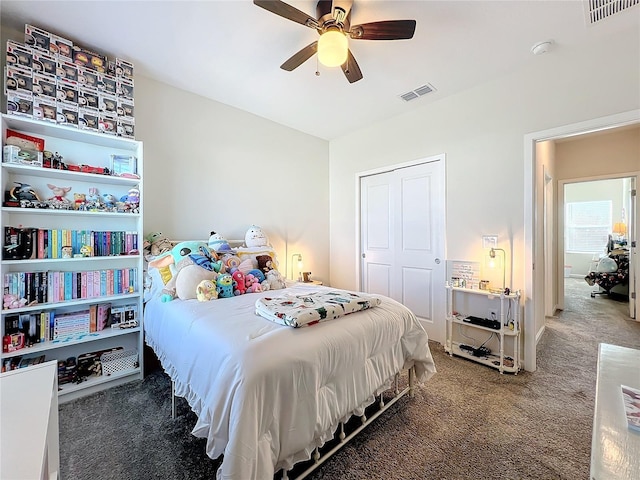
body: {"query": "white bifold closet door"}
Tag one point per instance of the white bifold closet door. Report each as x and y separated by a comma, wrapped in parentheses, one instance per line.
(402, 234)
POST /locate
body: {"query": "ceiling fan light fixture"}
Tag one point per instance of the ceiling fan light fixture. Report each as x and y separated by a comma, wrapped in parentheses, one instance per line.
(333, 48)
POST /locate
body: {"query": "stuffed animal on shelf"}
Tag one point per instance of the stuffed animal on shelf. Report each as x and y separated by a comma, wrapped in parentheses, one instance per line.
(22, 191)
(109, 200)
(12, 301)
(255, 237)
(225, 285)
(239, 283)
(206, 291)
(79, 201)
(59, 193)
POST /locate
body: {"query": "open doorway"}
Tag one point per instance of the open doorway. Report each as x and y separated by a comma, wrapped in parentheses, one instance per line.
(593, 220)
(540, 153)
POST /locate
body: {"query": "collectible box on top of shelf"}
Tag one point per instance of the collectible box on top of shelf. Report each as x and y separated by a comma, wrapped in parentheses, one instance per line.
(67, 91)
(67, 71)
(18, 80)
(108, 104)
(124, 88)
(44, 85)
(125, 108)
(88, 119)
(20, 104)
(45, 108)
(44, 63)
(126, 128)
(37, 38)
(19, 55)
(89, 59)
(108, 84)
(123, 68)
(89, 79)
(67, 113)
(88, 98)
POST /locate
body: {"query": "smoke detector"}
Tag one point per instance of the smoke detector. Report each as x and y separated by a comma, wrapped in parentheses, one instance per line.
(542, 47)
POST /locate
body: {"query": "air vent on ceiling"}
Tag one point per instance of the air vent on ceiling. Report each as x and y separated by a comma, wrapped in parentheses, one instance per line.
(597, 10)
(418, 92)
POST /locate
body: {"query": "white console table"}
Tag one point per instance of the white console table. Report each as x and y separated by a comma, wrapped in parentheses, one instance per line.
(29, 442)
(615, 448)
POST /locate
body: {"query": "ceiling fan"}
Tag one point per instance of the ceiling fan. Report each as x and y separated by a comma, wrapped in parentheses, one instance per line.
(333, 23)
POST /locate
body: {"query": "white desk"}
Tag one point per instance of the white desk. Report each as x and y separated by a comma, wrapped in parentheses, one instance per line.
(29, 442)
(615, 448)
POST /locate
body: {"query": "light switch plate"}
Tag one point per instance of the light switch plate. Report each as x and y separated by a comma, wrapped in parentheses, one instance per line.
(490, 241)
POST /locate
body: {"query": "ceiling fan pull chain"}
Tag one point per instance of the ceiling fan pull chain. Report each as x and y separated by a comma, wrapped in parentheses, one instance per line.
(317, 67)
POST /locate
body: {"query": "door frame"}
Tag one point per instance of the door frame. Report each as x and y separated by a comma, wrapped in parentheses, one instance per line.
(560, 212)
(389, 168)
(533, 279)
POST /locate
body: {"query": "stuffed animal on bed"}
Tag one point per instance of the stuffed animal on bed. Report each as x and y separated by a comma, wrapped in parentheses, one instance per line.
(273, 281)
(255, 237)
(265, 263)
(158, 244)
(206, 291)
(225, 285)
(188, 274)
(239, 286)
(252, 283)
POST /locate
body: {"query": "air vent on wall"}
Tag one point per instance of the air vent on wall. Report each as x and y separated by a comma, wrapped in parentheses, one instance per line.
(418, 92)
(597, 10)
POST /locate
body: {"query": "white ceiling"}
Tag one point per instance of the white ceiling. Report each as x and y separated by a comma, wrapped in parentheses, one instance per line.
(230, 51)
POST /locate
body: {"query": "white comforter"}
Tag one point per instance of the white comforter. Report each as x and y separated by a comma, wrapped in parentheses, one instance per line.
(266, 395)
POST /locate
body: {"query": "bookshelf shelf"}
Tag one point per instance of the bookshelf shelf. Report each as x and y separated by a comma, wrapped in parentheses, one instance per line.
(63, 213)
(56, 261)
(122, 232)
(56, 344)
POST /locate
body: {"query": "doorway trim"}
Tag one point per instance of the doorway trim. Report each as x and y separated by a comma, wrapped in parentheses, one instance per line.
(533, 279)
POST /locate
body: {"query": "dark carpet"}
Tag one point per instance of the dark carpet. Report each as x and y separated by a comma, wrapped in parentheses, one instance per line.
(467, 422)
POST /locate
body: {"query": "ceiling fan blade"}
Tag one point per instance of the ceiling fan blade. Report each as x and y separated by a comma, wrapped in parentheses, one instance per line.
(287, 11)
(385, 30)
(351, 69)
(299, 58)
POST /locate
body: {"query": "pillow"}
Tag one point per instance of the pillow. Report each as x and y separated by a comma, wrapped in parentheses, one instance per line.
(607, 265)
(156, 282)
(252, 252)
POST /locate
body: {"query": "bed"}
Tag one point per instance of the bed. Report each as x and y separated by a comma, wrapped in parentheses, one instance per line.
(267, 395)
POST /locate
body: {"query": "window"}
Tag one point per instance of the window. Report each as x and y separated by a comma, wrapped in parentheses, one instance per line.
(587, 226)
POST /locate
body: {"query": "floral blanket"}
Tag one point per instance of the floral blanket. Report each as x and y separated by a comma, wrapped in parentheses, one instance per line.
(308, 309)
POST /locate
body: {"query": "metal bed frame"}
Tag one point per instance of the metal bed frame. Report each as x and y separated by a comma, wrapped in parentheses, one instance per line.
(318, 457)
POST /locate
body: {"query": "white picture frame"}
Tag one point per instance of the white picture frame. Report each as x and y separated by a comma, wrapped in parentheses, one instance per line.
(124, 164)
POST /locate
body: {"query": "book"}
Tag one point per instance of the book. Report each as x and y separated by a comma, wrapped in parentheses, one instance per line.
(631, 400)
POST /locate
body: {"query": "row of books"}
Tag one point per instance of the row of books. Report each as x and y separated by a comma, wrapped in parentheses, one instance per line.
(57, 286)
(36, 243)
(14, 363)
(28, 329)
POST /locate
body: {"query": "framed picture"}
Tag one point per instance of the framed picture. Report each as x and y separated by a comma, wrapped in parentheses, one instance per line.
(124, 164)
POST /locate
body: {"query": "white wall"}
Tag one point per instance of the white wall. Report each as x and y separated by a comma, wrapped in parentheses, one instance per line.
(481, 131)
(209, 166)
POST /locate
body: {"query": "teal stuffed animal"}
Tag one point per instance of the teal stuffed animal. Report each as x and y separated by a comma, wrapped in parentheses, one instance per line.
(225, 285)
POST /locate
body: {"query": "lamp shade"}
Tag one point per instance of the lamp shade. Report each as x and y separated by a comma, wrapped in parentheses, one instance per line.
(332, 48)
(620, 228)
